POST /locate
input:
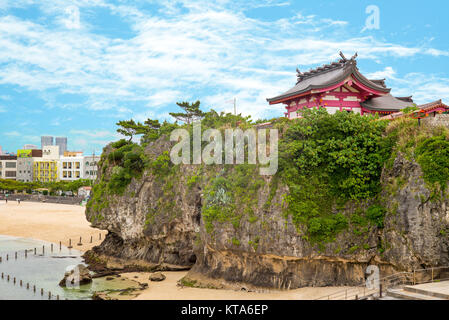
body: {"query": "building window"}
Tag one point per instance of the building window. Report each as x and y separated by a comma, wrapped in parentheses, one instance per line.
(10, 165)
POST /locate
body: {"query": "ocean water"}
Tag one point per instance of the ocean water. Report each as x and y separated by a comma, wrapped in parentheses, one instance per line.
(44, 270)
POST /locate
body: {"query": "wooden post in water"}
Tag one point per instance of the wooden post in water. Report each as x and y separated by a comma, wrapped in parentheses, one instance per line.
(34, 251)
(7, 257)
(26, 253)
(90, 242)
(80, 243)
(51, 247)
(43, 250)
(0, 259)
(100, 236)
(15, 255)
(70, 244)
(60, 245)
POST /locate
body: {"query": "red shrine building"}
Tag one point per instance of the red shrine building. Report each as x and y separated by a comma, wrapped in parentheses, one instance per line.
(340, 86)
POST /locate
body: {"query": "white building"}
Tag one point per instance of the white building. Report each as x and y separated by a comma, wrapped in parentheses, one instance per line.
(84, 191)
(50, 153)
(91, 167)
(71, 168)
(8, 167)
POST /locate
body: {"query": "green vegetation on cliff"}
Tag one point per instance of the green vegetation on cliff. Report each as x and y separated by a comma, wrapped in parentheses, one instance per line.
(232, 195)
(327, 160)
(329, 165)
(433, 157)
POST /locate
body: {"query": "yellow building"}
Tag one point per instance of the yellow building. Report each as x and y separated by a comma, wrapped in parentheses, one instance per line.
(46, 171)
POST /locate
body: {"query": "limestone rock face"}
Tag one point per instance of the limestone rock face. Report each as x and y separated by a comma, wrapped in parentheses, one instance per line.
(166, 242)
(416, 227)
(77, 276)
(269, 250)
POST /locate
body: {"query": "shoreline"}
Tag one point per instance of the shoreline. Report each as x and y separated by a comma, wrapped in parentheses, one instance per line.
(49, 222)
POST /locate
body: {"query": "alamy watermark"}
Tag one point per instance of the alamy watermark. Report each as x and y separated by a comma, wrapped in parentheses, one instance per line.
(372, 22)
(372, 277)
(231, 148)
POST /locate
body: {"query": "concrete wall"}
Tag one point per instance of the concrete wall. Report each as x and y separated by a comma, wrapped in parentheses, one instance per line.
(42, 198)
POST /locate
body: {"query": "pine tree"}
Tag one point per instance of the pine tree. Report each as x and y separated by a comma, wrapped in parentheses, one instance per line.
(129, 128)
(192, 112)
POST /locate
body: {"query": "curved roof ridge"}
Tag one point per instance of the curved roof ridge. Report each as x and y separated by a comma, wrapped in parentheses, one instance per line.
(328, 75)
(431, 104)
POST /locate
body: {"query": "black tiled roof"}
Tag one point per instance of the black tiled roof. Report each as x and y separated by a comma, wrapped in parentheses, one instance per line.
(387, 103)
(328, 75)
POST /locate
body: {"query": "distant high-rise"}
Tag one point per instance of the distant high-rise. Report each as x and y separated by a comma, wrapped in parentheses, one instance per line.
(1, 151)
(46, 141)
(62, 143)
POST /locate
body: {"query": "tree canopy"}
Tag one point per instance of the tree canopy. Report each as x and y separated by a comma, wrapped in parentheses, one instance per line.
(191, 112)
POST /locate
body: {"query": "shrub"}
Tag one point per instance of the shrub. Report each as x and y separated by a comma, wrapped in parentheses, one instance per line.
(376, 214)
(433, 157)
(327, 160)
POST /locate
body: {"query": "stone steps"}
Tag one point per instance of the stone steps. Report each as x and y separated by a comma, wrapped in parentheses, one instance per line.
(422, 291)
(407, 295)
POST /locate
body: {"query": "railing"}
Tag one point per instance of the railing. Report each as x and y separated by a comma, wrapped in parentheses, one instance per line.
(397, 280)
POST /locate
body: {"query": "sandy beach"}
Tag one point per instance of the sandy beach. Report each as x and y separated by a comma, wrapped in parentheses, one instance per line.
(168, 290)
(58, 222)
(49, 222)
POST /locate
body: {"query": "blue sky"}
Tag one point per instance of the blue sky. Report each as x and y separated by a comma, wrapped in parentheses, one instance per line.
(74, 68)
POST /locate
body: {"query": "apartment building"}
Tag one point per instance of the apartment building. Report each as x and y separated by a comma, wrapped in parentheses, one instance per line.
(91, 167)
(45, 169)
(25, 164)
(71, 168)
(47, 165)
(8, 167)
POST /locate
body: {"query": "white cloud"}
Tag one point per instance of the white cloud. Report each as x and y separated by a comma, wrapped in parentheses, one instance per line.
(12, 134)
(387, 73)
(94, 133)
(205, 51)
(72, 17)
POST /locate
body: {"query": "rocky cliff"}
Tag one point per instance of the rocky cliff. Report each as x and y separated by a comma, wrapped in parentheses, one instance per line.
(230, 227)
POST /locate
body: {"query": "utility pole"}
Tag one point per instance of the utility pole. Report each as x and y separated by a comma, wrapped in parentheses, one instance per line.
(235, 106)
